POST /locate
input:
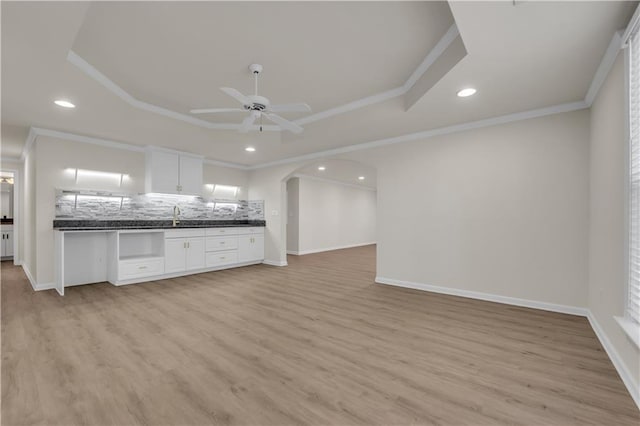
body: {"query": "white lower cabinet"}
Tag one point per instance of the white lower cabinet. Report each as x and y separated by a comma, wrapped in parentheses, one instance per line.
(195, 253)
(183, 254)
(250, 248)
(131, 269)
(222, 258)
(6, 247)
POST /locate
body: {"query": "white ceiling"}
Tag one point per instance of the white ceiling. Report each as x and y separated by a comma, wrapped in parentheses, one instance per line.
(344, 171)
(177, 55)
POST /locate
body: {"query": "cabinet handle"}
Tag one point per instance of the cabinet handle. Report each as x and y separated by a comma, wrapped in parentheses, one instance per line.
(3, 236)
(142, 267)
(184, 245)
(223, 258)
(221, 242)
(188, 245)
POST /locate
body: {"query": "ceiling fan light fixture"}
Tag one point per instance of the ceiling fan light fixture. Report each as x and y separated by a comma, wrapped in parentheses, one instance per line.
(250, 149)
(258, 107)
(322, 168)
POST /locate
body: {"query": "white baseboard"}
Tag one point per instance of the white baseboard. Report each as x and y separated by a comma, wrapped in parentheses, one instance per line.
(628, 380)
(36, 286)
(565, 309)
(632, 386)
(45, 286)
(275, 262)
(303, 252)
(29, 277)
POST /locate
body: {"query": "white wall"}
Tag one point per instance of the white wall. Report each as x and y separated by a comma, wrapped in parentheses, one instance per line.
(269, 184)
(500, 210)
(333, 215)
(607, 276)
(55, 155)
(28, 227)
(293, 214)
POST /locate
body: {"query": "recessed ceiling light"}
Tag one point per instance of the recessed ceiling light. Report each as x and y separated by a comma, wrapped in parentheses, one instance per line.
(63, 103)
(466, 92)
(361, 177)
(250, 149)
(322, 168)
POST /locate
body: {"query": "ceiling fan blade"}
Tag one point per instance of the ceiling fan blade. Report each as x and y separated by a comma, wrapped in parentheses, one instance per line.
(290, 108)
(285, 124)
(248, 122)
(236, 95)
(212, 110)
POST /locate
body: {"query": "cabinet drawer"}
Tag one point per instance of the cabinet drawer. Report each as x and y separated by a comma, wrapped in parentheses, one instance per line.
(219, 232)
(221, 243)
(140, 268)
(253, 230)
(183, 233)
(220, 258)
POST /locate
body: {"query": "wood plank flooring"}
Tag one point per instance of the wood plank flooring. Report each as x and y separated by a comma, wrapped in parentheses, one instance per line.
(313, 343)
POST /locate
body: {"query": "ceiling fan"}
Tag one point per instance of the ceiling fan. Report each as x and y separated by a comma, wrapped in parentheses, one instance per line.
(258, 107)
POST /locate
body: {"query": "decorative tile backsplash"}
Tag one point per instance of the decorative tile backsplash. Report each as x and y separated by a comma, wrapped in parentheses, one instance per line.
(87, 205)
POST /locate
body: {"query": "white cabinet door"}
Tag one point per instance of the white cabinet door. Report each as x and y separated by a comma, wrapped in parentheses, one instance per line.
(8, 244)
(250, 248)
(162, 172)
(190, 175)
(195, 253)
(257, 247)
(175, 255)
(3, 245)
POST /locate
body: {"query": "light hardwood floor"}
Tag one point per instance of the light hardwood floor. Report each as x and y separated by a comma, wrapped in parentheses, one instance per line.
(313, 343)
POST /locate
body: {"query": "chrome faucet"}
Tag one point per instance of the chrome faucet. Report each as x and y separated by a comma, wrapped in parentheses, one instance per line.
(176, 213)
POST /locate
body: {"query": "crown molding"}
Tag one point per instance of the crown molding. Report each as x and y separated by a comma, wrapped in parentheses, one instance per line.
(433, 55)
(10, 160)
(440, 47)
(456, 128)
(96, 75)
(34, 132)
(426, 134)
(31, 137)
(633, 24)
(608, 59)
(332, 181)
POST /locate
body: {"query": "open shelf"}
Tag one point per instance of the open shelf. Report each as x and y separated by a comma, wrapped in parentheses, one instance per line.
(141, 245)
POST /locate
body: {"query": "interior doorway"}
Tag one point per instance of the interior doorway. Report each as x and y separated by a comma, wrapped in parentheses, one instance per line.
(9, 200)
(331, 205)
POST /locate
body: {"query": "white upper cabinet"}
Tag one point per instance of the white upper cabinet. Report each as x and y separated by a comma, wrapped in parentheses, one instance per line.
(190, 175)
(169, 172)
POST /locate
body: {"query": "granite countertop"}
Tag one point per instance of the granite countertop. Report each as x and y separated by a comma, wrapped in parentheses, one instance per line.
(108, 225)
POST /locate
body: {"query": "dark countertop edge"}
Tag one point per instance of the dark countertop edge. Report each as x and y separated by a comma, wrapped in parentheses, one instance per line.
(89, 225)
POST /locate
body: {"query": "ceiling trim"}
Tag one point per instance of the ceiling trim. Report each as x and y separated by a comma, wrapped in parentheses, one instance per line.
(433, 55)
(34, 132)
(440, 47)
(31, 137)
(329, 180)
(606, 63)
(437, 51)
(11, 160)
(456, 128)
(96, 75)
(633, 23)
